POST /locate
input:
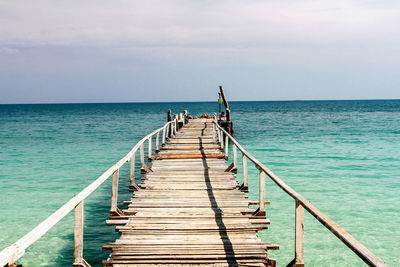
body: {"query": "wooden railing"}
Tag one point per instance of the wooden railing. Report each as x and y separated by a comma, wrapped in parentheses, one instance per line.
(12, 253)
(301, 203)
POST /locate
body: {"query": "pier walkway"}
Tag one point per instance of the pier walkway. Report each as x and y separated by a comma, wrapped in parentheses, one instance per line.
(188, 208)
(188, 211)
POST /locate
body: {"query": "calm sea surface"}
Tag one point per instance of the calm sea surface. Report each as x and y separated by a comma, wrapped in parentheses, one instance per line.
(344, 156)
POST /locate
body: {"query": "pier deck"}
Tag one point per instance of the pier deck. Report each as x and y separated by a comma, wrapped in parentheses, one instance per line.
(188, 210)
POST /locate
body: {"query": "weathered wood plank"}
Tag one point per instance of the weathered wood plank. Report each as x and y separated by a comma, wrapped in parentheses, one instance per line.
(188, 211)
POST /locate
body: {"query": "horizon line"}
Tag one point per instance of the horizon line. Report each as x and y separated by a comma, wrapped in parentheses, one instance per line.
(209, 101)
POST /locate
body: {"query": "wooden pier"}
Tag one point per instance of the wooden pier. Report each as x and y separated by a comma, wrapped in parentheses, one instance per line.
(189, 209)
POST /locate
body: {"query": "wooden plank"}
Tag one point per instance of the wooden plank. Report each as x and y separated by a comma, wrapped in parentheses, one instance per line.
(187, 210)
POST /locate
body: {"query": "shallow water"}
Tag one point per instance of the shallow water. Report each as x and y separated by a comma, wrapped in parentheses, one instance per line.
(341, 155)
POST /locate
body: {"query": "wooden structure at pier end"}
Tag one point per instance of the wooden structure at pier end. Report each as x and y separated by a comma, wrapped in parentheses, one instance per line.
(188, 208)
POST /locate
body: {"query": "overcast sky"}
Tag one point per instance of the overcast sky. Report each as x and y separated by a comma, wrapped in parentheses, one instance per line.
(129, 51)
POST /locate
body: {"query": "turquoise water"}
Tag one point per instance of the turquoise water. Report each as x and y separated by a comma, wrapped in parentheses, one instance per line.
(344, 156)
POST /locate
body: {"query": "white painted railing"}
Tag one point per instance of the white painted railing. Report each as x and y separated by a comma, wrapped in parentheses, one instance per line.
(301, 203)
(12, 253)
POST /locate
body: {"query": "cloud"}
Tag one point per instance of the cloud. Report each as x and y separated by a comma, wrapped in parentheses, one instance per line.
(8, 51)
(289, 45)
(196, 23)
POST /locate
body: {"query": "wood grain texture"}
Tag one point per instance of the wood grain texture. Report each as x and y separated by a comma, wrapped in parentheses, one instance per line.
(188, 211)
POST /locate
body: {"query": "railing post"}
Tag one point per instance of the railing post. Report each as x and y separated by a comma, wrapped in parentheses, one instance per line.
(185, 116)
(157, 141)
(163, 135)
(299, 236)
(213, 135)
(149, 149)
(226, 147)
(114, 191)
(261, 209)
(245, 186)
(141, 155)
(132, 170)
(168, 135)
(78, 235)
(234, 149)
(222, 139)
(142, 158)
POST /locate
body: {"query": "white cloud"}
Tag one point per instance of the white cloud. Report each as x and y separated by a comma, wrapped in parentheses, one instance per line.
(177, 23)
(8, 51)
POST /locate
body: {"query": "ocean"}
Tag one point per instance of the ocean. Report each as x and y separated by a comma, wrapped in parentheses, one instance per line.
(343, 156)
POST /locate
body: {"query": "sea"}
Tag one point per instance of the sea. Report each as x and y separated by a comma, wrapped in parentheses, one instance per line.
(343, 156)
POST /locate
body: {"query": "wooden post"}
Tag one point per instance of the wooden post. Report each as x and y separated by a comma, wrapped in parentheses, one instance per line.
(245, 185)
(157, 141)
(228, 115)
(223, 97)
(261, 209)
(185, 116)
(132, 176)
(163, 135)
(141, 155)
(78, 235)
(234, 149)
(226, 147)
(168, 131)
(299, 236)
(149, 149)
(222, 139)
(114, 190)
(213, 132)
(219, 136)
(169, 118)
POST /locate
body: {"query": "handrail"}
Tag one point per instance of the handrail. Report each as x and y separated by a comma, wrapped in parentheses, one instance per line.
(12, 253)
(359, 249)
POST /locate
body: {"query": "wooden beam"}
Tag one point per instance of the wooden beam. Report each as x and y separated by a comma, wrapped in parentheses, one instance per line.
(157, 141)
(114, 191)
(149, 149)
(234, 149)
(262, 192)
(78, 235)
(132, 172)
(367, 256)
(223, 97)
(226, 147)
(245, 185)
(299, 235)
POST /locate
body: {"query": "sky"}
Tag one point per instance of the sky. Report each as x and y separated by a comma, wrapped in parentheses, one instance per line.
(54, 51)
